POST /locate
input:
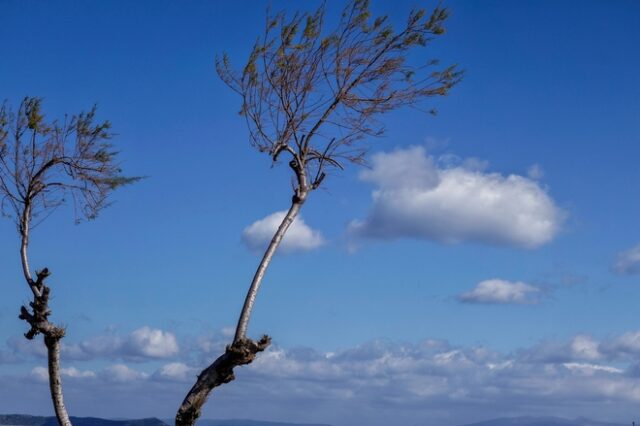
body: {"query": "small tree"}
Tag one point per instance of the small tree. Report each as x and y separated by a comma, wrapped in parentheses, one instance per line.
(42, 163)
(313, 97)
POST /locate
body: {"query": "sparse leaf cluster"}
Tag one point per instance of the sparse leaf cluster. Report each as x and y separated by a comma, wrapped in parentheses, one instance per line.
(314, 94)
(308, 93)
(42, 163)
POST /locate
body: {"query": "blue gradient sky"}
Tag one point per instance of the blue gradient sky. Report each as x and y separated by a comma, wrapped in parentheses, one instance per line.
(548, 83)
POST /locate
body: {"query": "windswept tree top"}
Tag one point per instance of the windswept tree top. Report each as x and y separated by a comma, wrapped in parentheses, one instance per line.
(314, 93)
(43, 163)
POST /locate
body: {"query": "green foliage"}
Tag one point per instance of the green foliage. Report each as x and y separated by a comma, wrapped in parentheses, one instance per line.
(43, 163)
(314, 92)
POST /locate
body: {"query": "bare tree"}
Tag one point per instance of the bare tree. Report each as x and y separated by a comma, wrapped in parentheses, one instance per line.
(313, 96)
(41, 164)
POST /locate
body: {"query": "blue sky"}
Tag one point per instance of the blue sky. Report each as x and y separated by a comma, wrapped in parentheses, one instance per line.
(441, 311)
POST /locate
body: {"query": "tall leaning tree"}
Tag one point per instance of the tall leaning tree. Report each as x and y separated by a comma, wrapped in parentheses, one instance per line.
(312, 95)
(42, 164)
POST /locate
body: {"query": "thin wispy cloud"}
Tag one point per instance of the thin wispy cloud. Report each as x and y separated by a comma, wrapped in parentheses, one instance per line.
(535, 172)
(497, 291)
(41, 374)
(628, 262)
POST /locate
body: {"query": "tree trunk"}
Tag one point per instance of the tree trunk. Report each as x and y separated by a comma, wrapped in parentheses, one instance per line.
(55, 382)
(242, 351)
(218, 373)
(243, 321)
(38, 319)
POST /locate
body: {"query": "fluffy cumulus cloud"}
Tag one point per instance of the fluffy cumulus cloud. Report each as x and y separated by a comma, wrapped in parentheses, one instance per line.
(626, 345)
(384, 382)
(585, 347)
(141, 344)
(434, 377)
(41, 374)
(175, 371)
(121, 373)
(497, 291)
(416, 197)
(299, 236)
(152, 343)
(73, 372)
(580, 348)
(628, 262)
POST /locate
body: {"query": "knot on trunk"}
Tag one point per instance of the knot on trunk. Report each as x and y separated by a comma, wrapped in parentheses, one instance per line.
(240, 352)
(38, 317)
(244, 351)
(42, 275)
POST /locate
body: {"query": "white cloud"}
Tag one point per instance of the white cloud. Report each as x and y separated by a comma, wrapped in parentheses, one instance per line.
(625, 345)
(535, 172)
(497, 291)
(120, 373)
(628, 262)
(299, 236)
(175, 371)
(152, 343)
(399, 376)
(579, 348)
(77, 374)
(585, 347)
(24, 347)
(385, 380)
(102, 345)
(142, 343)
(590, 369)
(406, 169)
(40, 374)
(416, 198)
(117, 373)
(228, 331)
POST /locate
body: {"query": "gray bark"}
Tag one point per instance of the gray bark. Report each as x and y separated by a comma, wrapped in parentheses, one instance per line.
(243, 321)
(39, 322)
(243, 350)
(218, 373)
(55, 382)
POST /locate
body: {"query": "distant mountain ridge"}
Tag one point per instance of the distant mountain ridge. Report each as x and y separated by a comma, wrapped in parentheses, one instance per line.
(543, 421)
(244, 422)
(26, 420)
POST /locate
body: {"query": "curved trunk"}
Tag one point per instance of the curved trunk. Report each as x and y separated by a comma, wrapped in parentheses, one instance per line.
(242, 351)
(243, 321)
(55, 383)
(39, 322)
(24, 234)
(25, 260)
(218, 373)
